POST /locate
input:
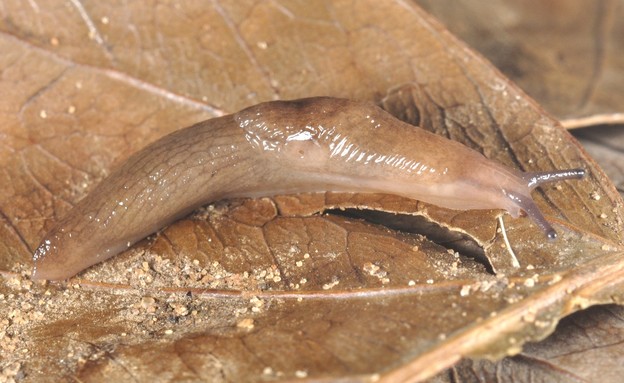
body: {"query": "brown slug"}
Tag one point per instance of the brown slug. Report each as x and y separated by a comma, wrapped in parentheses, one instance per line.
(308, 145)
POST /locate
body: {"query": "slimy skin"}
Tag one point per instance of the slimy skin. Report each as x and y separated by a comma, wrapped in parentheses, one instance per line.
(308, 145)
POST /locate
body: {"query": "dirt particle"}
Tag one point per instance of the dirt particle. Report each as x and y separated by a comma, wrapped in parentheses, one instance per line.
(595, 196)
(148, 304)
(486, 285)
(530, 316)
(555, 278)
(376, 271)
(370, 268)
(455, 267)
(331, 284)
(542, 323)
(301, 374)
(257, 304)
(247, 324)
(465, 290)
(569, 290)
(179, 309)
(581, 302)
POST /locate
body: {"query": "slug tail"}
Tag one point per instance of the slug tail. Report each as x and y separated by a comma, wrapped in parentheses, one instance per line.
(530, 208)
(534, 179)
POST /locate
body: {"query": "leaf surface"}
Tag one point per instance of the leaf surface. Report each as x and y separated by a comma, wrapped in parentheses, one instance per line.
(291, 286)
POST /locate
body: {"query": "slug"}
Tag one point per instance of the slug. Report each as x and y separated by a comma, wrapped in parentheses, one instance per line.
(308, 145)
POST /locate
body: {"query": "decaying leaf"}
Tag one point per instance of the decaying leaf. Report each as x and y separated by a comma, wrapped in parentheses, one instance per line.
(290, 286)
(568, 55)
(606, 146)
(586, 346)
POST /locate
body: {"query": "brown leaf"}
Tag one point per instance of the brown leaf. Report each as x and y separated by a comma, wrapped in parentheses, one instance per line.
(568, 55)
(587, 345)
(606, 145)
(269, 288)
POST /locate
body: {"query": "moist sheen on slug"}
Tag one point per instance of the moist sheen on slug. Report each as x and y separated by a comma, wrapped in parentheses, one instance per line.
(308, 145)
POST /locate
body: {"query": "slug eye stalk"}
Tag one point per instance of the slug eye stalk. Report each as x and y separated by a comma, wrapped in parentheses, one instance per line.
(535, 179)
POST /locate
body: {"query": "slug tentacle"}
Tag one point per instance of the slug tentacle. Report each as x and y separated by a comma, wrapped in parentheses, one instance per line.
(535, 179)
(309, 145)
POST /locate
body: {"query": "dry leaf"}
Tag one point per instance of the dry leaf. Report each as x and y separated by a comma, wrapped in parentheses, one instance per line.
(606, 145)
(566, 54)
(587, 346)
(270, 289)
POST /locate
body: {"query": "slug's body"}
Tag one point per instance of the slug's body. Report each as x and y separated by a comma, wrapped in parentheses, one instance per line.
(316, 144)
